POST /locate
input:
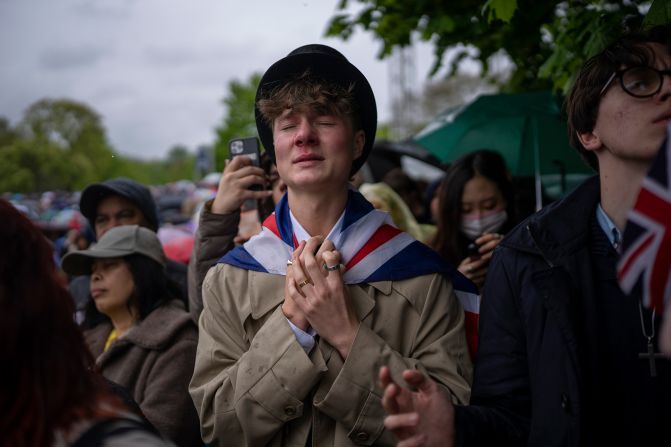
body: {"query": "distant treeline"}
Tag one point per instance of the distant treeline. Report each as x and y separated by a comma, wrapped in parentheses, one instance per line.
(61, 144)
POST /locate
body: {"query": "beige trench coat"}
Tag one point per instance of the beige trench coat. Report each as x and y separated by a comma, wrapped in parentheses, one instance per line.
(254, 385)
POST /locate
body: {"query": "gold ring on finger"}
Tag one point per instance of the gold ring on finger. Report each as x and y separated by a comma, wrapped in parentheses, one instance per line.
(303, 283)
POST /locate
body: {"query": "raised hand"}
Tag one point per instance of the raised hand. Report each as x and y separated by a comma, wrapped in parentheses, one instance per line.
(424, 417)
(488, 242)
(238, 176)
(475, 267)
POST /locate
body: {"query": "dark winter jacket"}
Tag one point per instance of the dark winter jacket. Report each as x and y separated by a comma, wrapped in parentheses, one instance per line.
(538, 320)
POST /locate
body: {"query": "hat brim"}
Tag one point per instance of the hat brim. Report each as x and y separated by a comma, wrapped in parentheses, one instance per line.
(327, 67)
(80, 262)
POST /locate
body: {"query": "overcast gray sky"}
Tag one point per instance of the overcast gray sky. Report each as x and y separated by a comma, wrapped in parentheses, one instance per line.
(156, 70)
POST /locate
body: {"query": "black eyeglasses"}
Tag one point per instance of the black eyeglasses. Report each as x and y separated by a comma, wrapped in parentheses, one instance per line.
(639, 82)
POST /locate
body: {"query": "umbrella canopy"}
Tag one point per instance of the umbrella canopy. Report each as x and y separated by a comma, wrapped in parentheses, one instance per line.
(415, 160)
(179, 249)
(526, 128)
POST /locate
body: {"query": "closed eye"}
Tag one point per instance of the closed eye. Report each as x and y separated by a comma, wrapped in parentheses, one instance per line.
(490, 204)
(286, 126)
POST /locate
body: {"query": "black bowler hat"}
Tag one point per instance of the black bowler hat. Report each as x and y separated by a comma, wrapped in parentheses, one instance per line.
(325, 63)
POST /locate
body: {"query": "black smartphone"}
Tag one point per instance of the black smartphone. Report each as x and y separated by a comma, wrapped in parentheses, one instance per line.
(248, 147)
(473, 252)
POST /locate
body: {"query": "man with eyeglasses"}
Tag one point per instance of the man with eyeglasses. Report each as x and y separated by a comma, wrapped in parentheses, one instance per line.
(563, 356)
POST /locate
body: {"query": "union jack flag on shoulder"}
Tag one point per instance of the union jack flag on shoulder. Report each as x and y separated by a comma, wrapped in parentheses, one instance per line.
(372, 249)
(645, 264)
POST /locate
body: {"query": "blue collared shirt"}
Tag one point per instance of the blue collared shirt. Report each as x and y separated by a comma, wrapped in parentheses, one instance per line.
(612, 232)
(305, 338)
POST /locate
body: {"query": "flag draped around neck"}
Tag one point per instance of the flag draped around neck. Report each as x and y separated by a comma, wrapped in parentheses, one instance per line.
(371, 247)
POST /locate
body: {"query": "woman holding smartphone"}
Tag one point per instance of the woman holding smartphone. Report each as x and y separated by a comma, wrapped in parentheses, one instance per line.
(475, 209)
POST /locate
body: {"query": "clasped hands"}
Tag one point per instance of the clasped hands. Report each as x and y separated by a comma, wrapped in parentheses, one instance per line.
(316, 295)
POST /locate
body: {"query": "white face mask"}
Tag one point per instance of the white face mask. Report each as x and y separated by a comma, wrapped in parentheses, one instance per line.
(474, 228)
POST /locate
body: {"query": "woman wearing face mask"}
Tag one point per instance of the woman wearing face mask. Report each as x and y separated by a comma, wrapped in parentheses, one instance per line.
(475, 209)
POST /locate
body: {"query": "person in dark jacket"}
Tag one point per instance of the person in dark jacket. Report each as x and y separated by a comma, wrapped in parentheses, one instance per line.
(140, 334)
(565, 357)
(115, 202)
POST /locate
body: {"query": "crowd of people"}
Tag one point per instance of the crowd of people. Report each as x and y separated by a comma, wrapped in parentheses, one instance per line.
(339, 313)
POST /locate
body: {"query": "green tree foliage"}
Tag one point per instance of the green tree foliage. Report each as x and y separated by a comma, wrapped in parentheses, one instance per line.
(179, 164)
(25, 166)
(659, 14)
(239, 116)
(68, 141)
(7, 133)
(546, 40)
(72, 125)
(58, 144)
(62, 145)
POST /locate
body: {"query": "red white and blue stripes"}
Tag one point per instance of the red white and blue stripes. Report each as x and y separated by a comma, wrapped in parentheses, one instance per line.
(371, 247)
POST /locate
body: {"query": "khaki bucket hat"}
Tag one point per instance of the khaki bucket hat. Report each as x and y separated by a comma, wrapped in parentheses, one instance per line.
(116, 243)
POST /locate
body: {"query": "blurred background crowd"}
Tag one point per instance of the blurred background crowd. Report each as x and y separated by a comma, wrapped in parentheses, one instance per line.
(403, 179)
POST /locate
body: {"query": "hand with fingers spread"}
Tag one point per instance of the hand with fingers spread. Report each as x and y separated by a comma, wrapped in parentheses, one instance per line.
(424, 417)
(238, 177)
(319, 292)
(475, 267)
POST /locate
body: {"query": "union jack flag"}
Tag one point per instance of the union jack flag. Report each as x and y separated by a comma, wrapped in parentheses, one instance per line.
(372, 250)
(645, 265)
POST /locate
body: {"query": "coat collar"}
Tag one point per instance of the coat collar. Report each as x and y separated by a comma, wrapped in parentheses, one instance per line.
(560, 229)
(159, 328)
(155, 332)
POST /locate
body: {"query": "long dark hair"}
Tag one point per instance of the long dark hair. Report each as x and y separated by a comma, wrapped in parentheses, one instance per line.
(153, 288)
(47, 380)
(449, 241)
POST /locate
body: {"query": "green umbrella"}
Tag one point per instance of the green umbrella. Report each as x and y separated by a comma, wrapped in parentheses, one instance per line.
(526, 128)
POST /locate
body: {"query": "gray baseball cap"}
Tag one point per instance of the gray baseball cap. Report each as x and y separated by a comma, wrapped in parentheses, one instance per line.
(116, 243)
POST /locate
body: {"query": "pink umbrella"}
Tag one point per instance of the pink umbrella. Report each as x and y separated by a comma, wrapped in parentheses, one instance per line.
(179, 248)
